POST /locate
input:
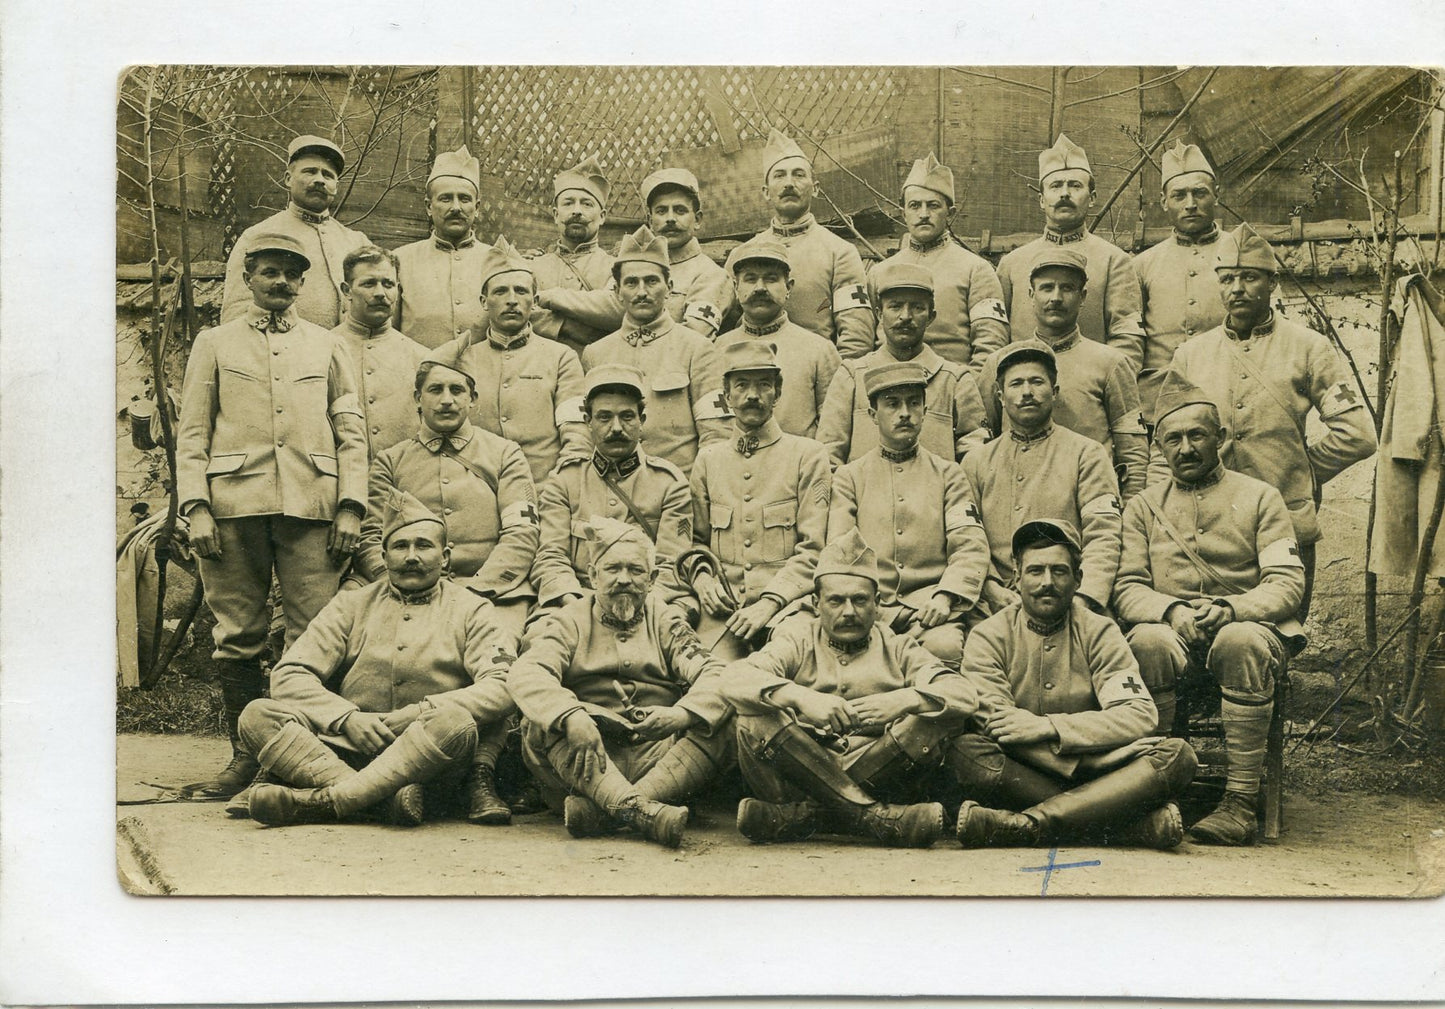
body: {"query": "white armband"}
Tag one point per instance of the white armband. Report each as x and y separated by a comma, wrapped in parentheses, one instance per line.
(1281, 554)
(851, 296)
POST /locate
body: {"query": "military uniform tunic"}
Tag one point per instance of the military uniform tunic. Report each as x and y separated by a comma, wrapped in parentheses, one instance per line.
(808, 363)
(385, 363)
(1057, 474)
(829, 295)
(1180, 292)
(479, 485)
(1110, 314)
(577, 493)
(971, 321)
(1265, 386)
(685, 406)
(1098, 397)
(561, 274)
(764, 514)
(326, 242)
(441, 287)
(954, 422)
(529, 390)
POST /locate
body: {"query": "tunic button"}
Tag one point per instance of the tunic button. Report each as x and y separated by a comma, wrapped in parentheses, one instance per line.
(1048, 686)
(371, 399)
(899, 532)
(1189, 330)
(276, 353)
(446, 479)
(1048, 648)
(371, 371)
(280, 442)
(276, 378)
(612, 501)
(1018, 508)
(900, 470)
(278, 409)
(1191, 301)
(843, 660)
(747, 497)
(627, 663)
(1021, 478)
(1193, 273)
(505, 419)
(747, 476)
(748, 566)
(747, 543)
(900, 498)
(1239, 406)
(447, 511)
(1201, 532)
(406, 616)
(401, 648)
(376, 430)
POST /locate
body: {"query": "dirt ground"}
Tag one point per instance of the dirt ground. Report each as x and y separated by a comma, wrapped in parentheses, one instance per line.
(1349, 844)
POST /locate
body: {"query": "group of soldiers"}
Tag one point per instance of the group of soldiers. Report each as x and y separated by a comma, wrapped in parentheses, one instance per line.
(921, 545)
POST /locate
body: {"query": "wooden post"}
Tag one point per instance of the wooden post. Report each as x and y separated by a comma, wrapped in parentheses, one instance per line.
(1057, 81)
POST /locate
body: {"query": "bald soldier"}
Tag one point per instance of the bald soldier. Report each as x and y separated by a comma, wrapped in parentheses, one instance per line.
(954, 422)
(1062, 748)
(313, 171)
(1111, 315)
(619, 481)
(882, 703)
(970, 321)
(1176, 277)
(576, 266)
(529, 388)
(441, 274)
(684, 383)
(1211, 580)
(829, 295)
(384, 359)
(1040, 469)
(384, 692)
(1098, 395)
(918, 514)
(762, 280)
(1265, 374)
(621, 713)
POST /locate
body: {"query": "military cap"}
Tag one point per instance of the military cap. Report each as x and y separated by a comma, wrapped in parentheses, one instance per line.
(679, 177)
(1060, 255)
(1175, 393)
(587, 177)
(1247, 252)
(1049, 532)
(893, 274)
(458, 164)
(1032, 349)
(847, 555)
(763, 246)
(1181, 159)
(931, 174)
(448, 355)
(609, 376)
(502, 257)
(779, 148)
(604, 533)
(279, 243)
(642, 246)
(403, 510)
(750, 355)
(892, 376)
(1065, 154)
(319, 146)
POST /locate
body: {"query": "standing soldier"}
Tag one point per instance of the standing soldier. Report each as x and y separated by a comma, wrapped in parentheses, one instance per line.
(313, 168)
(701, 292)
(917, 512)
(971, 322)
(576, 265)
(529, 389)
(759, 268)
(1265, 374)
(684, 391)
(954, 423)
(1176, 277)
(441, 274)
(1098, 395)
(1067, 192)
(829, 294)
(270, 466)
(384, 360)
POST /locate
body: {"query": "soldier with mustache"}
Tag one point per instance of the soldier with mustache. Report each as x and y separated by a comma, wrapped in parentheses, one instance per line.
(313, 172)
(1111, 315)
(576, 269)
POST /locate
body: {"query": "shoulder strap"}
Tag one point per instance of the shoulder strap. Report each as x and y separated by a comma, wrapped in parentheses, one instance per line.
(469, 466)
(632, 508)
(1205, 568)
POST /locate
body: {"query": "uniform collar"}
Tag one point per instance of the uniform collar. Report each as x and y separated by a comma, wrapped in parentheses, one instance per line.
(582, 249)
(927, 358)
(899, 456)
(748, 443)
(270, 322)
(1046, 630)
(689, 251)
(1209, 479)
(445, 246)
(413, 598)
(849, 647)
(769, 329)
(608, 620)
(352, 326)
(620, 468)
(1208, 238)
(937, 243)
(641, 336)
(1029, 439)
(798, 227)
(514, 342)
(432, 440)
(1064, 237)
(308, 216)
(1263, 329)
(1068, 341)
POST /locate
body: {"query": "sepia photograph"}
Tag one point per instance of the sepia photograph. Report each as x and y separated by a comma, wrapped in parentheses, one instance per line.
(779, 480)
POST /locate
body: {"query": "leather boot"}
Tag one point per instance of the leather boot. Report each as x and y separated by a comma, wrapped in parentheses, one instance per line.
(1161, 829)
(280, 805)
(991, 777)
(484, 805)
(906, 747)
(912, 826)
(1233, 822)
(407, 806)
(241, 682)
(762, 822)
(413, 758)
(658, 822)
(584, 818)
(1118, 797)
(239, 808)
(982, 827)
(292, 756)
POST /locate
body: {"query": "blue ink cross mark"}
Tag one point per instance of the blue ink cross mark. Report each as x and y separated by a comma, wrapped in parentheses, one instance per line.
(1048, 870)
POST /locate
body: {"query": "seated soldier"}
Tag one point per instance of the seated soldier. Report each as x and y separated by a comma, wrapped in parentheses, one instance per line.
(1063, 720)
(614, 711)
(478, 482)
(396, 676)
(917, 511)
(1039, 469)
(1211, 580)
(618, 481)
(881, 701)
(760, 502)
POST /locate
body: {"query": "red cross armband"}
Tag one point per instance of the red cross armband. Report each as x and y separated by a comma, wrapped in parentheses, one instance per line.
(1280, 554)
(851, 296)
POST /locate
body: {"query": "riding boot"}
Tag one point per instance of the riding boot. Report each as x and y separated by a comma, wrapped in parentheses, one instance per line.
(908, 746)
(1099, 806)
(241, 682)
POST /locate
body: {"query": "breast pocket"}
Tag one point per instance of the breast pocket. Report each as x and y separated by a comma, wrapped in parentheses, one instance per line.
(780, 530)
(723, 535)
